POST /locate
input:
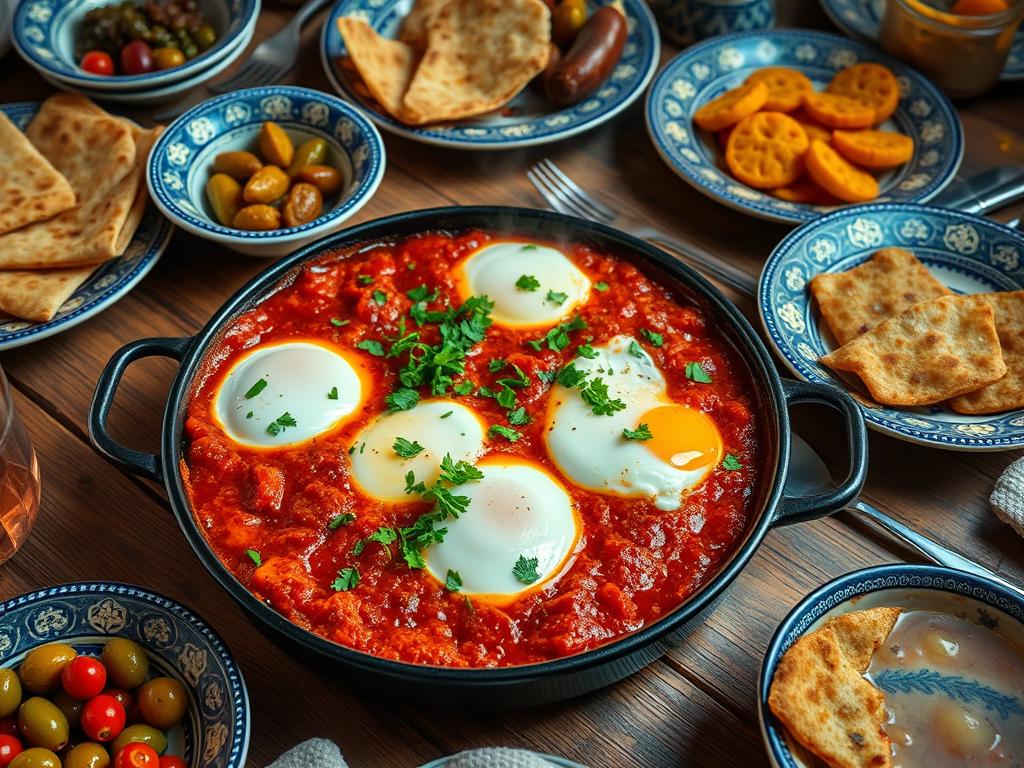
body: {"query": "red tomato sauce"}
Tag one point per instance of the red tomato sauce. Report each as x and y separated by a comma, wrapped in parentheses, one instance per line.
(632, 563)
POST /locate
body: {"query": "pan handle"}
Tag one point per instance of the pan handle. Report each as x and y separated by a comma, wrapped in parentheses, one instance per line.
(798, 509)
(139, 462)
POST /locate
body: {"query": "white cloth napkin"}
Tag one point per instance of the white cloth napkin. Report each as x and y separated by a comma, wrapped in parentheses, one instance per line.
(1008, 497)
(321, 753)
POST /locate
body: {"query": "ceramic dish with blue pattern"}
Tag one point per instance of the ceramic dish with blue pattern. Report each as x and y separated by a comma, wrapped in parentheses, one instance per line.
(968, 254)
(182, 161)
(984, 603)
(705, 71)
(45, 33)
(525, 121)
(215, 730)
(863, 19)
(108, 284)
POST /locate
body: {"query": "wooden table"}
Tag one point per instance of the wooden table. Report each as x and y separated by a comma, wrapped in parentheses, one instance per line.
(694, 707)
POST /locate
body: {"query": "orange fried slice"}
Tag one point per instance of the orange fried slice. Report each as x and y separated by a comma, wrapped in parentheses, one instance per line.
(872, 84)
(803, 190)
(838, 111)
(766, 150)
(978, 7)
(786, 87)
(731, 107)
(811, 128)
(837, 176)
(874, 149)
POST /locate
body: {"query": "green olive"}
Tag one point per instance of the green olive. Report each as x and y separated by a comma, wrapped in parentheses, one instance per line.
(42, 724)
(225, 196)
(140, 732)
(70, 707)
(87, 755)
(310, 152)
(126, 662)
(168, 58)
(205, 37)
(162, 701)
(35, 758)
(10, 692)
(40, 671)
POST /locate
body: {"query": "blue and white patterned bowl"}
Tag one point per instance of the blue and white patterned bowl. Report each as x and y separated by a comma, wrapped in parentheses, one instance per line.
(863, 19)
(687, 21)
(215, 731)
(912, 587)
(182, 160)
(45, 32)
(707, 70)
(528, 119)
(968, 253)
(108, 284)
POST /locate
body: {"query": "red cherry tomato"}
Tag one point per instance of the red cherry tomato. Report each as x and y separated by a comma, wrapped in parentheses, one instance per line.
(9, 726)
(10, 748)
(103, 718)
(170, 761)
(98, 63)
(136, 58)
(137, 755)
(83, 677)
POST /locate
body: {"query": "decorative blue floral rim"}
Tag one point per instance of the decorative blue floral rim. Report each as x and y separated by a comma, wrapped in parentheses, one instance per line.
(532, 121)
(968, 253)
(40, 27)
(705, 71)
(862, 582)
(108, 284)
(86, 612)
(863, 19)
(172, 162)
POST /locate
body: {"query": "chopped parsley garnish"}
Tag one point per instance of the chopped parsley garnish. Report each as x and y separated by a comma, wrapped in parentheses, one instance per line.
(557, 338)
(453, 582)
(731, 463)
(601, 286)
(248, 415)
(557, 297)
(642, 432)
(508, 433)
(380, 297)
(372, 346)
(406, 448)
(464, 388)
(525, 569)
(655, 339)
(421, 293)
(362, 447)
(384, 536)
(358, 547)
(519, 380)
(546, 377)
(446, 414)
(347, 579)
(527, 283)
(518, 417)
(696, 372)
(281, 423)
(255, 557)
(333, 394)
(338, 322)
(340, 521)
(255, 389)
(571, 376)
(496, 365)
(595, 394)
(636, 350)
(529, 248)
(364, 279)
(402, 399)
(587, 351)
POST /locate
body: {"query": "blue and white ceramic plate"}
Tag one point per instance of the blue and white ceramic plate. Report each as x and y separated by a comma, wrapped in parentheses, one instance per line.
(108, 284)
(182, 160)
(863, 19)
(44, 34)
(912, 587)
(179, 644)
(528, 119)
(705, 71)
(968, 253)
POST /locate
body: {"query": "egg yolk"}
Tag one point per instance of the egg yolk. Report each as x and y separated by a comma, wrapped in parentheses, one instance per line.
(683, 437)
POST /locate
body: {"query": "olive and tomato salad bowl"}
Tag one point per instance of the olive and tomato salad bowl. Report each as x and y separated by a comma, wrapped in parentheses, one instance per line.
(183, 159)
(55, 37)
(528, 683)
(106, 665)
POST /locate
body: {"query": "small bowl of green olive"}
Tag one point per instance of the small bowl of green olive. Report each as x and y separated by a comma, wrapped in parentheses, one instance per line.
(98, 674)
(265, 171)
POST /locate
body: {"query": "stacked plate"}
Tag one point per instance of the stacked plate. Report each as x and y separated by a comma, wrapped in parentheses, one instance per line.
(45, 31)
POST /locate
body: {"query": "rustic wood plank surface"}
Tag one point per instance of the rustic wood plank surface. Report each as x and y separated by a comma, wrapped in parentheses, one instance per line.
(695, 707)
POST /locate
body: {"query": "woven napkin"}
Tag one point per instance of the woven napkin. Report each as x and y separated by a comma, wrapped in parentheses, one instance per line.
(1008, 497)
(321, 753)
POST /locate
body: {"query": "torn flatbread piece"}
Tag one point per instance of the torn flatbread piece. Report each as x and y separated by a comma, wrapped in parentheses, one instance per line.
(933, 351)
(31, 189)
(821, 696)
(855, 301)
(480, 54)
(414, 25)
(38, 294)
(1007, 393)
(386, 66)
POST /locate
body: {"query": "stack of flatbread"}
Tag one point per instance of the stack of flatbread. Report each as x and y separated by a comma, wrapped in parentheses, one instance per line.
(455, 58)
(72, 194)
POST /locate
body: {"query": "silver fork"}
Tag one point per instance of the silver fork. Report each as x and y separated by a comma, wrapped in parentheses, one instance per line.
(565, 196)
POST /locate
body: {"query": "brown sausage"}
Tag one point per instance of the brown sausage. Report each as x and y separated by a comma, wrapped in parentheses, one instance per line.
(590, 60)
(539, 83)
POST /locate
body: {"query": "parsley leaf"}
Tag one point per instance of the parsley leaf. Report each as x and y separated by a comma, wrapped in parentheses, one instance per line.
(557, 297)
(587, 351)
(496, 365)
(421, 293)
(642, 432)
(518, 417)
(571, 376)
(518, 381)
(656, 339)
(453, 583)
(405, 448)
(527, 283)
(601, 286)
(506, 398)
(529, 247)
(358, 547)
(380, 297)
(255, 557)
(595, 394)
(402, 399)
(446, 414)
(696, 372)
(525, 569)
(364, 279)
(281, 423)
(333, 394)
(255, 389)
(464, 388)
(383, 536)
(636, 350)
(347, 579)
(731, 463)
(459, 472)
(338, 322)
(557, 338)
(509, 434)
(372, 346)
(339, 521)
